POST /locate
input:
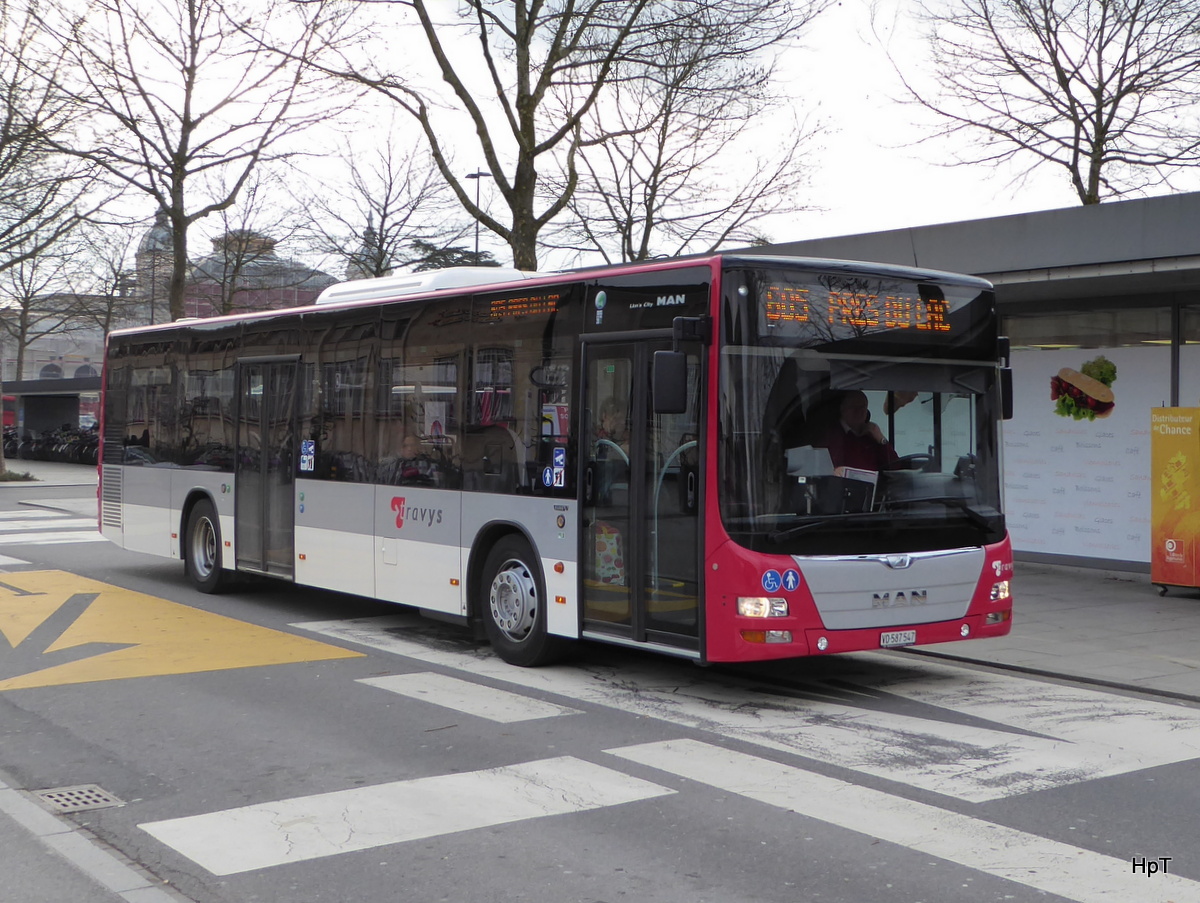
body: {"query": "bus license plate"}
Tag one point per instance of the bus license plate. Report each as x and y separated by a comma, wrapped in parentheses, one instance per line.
(898, 638)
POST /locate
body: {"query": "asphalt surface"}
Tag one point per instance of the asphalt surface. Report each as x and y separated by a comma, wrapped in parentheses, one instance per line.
(1105, 628)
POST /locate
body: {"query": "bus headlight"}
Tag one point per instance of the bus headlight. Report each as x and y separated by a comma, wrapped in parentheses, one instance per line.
(761, 607)
(1000, 591)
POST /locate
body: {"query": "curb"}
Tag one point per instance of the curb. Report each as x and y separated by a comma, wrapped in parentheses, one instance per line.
(1057, 675)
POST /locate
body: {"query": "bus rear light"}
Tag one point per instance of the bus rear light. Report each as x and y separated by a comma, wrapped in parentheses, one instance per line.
(767, 636)
(997, 617)
(761, 607)
(1000, 591)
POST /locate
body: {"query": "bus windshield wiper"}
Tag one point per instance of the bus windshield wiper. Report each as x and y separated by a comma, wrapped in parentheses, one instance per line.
(781, 535)
(949, 501)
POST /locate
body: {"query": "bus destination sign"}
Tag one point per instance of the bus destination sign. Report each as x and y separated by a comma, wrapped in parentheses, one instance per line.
(524, 305)
(860, 310)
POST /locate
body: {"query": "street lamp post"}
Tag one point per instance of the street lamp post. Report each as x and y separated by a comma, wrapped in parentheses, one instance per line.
(477, 176)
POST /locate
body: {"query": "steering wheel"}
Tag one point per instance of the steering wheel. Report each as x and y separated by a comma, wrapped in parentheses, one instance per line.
(912, 462)
(611, 444)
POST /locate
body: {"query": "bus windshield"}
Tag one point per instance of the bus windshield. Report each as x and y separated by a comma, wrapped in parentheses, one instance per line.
(858, 413)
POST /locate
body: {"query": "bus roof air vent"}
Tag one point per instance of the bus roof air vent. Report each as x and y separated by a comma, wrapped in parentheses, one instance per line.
(385, 287)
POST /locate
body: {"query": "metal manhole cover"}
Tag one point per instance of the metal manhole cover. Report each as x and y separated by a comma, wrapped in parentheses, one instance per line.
(76, 799)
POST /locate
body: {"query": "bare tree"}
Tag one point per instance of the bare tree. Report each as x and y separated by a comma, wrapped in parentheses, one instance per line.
(243, 271)
(390, 197)
(106, 289)
(546, 65)
(1104, 89)
(44, 196)
(37, 300)
(657, 178)
(176, 90)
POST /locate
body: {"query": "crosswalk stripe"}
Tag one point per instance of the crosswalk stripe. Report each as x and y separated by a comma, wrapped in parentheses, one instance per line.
(1017, 741)
(1047, 865)
(60, 523)
(311, 827)
(468, 697)
(30, 514)
(49, 538)
(44, 527)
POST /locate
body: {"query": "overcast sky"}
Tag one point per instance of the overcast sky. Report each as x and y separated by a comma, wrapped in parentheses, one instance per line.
(878, 169)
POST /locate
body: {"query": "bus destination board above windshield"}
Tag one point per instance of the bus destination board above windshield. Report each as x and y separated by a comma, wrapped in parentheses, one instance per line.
(858, 310)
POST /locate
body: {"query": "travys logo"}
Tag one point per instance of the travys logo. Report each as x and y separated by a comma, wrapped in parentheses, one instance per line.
(425, 516)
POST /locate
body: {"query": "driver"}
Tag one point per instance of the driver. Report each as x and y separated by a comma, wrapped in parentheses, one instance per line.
(614, 425)
(855, 440)
(612, 463)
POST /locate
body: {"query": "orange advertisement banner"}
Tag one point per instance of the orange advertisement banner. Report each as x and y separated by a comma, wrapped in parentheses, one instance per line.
(1175, 495)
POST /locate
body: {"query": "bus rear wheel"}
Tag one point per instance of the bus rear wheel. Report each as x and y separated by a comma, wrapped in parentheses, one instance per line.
(513, 605)
(202, 548)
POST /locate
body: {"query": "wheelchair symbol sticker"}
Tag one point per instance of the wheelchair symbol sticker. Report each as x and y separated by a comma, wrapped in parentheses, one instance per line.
(771, 581)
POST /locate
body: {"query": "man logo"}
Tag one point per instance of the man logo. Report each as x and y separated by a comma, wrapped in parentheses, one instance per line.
(912, 597)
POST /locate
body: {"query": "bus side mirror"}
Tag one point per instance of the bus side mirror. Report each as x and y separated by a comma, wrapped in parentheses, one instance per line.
(1006, 393)
(669, 377)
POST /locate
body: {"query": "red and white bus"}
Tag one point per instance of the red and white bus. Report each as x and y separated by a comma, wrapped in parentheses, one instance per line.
(635, 454)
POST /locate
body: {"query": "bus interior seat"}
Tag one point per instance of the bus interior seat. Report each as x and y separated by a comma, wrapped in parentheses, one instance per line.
(490, 459)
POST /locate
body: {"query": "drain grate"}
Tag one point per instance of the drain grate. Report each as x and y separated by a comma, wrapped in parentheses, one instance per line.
(77, 799)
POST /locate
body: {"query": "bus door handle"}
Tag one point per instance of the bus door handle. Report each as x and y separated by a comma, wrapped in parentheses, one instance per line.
(589, 483)
(689, 480)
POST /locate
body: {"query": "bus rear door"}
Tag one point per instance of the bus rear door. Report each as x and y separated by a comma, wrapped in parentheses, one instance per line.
(263, 503)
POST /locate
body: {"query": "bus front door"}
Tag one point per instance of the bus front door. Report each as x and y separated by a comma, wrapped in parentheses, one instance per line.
(264, 514)
(641, 503)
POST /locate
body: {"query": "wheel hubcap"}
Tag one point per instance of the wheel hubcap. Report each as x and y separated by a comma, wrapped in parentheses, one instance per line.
(513, 600)
(204, 547)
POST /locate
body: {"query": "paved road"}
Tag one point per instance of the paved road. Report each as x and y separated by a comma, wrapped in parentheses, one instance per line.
(277, 744)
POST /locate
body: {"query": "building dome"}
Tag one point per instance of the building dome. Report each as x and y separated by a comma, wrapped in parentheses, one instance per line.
(158, 239)
(249, 259)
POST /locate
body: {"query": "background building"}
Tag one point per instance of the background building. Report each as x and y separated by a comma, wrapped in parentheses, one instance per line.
(58, 380)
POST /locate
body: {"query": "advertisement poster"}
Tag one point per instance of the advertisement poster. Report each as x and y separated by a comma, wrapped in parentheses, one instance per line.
(1175, 495)
(1077, 469)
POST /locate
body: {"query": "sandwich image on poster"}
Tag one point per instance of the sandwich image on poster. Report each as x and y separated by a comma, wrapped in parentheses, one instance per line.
(1086, 393)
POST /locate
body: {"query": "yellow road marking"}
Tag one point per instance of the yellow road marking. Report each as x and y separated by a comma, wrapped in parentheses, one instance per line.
(160, 637)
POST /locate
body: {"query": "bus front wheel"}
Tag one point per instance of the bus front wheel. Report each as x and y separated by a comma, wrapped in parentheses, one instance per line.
(513, 605)
(202, 549)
